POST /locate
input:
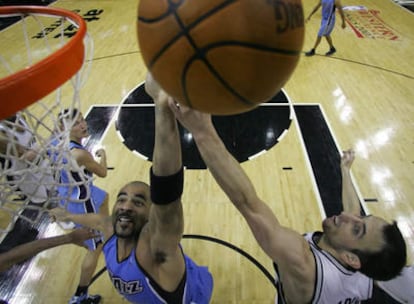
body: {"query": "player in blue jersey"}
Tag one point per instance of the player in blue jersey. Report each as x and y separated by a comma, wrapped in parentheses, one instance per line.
(337, 265)
(327, 23)
(145, 261)
(82, 196)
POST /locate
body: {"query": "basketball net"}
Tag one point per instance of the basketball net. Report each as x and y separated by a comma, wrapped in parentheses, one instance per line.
(44, 61)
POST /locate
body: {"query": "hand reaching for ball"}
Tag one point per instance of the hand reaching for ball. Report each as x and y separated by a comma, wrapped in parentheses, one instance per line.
(159, 96)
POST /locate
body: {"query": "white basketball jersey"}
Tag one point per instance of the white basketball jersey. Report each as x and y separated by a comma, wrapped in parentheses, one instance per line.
(32, 184)
(336, 284)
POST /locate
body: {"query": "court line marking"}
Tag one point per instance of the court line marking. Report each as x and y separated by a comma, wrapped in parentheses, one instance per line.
(338, 147)
(308, 164)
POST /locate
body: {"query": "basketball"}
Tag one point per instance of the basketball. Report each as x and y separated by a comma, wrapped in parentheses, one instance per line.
(221, 56)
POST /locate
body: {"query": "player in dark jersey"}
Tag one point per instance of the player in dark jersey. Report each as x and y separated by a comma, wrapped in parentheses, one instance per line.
(145, 261)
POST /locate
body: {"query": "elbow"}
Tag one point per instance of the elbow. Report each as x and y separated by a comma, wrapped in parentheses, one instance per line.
(102, 173)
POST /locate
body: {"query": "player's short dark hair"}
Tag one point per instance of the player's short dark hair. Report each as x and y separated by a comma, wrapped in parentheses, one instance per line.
(69, 113)
(388, 262)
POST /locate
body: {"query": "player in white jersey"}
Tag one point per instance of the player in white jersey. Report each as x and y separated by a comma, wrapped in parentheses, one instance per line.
(17, 141)
(366, 244)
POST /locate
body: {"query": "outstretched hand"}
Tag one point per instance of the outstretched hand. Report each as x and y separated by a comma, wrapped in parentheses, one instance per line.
(100, 152)
(193, 120)
(58, 214)
(154, 90)
(80, 235)
(151, 86)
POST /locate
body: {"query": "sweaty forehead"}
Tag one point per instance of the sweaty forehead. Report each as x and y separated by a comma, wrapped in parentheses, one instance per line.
(135, 188)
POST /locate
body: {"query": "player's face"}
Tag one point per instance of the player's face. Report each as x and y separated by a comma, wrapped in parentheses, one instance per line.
(131, 210)
(348, 231)
(80, 128)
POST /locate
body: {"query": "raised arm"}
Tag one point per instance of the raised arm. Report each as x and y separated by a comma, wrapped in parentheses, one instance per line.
(350, 199)
(84, 158)
(28, 250)
(280, 243)
(166, 221)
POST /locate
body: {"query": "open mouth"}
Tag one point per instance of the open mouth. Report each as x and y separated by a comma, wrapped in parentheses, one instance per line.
(124, 221)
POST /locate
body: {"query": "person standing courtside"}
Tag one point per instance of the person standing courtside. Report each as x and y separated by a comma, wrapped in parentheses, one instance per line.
(327, 23)
(83, 198)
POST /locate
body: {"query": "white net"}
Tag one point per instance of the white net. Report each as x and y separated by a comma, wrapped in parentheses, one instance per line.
(34, 141)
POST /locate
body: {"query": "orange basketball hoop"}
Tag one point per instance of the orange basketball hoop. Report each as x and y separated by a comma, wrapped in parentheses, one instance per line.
(44, 60)
(24, 87)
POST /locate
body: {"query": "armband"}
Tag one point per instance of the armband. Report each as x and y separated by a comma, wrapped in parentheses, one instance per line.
(166, 189)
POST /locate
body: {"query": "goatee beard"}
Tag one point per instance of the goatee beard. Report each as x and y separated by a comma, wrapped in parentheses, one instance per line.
(133, 235)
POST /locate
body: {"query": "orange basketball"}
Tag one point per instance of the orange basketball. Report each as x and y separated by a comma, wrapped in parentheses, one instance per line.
(221, 56)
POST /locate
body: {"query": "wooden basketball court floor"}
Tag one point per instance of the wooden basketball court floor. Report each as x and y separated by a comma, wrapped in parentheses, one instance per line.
(361, 97)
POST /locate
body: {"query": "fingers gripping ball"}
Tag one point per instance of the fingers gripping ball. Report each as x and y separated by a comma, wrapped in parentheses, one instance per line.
(221, 56)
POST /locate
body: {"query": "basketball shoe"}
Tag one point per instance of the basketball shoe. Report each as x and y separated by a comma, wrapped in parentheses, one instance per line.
(85, 299)
(331, 51)
(310, 53)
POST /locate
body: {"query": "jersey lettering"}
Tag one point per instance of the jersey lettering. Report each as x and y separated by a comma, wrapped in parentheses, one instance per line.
(131, 287)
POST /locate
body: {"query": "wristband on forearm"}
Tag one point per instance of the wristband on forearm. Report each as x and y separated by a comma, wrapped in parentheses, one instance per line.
(166, 189)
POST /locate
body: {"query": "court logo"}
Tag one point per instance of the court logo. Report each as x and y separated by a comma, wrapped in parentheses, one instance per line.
(70, 30)
(246, 135)
(367, 23)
